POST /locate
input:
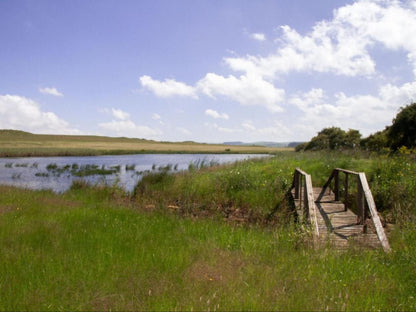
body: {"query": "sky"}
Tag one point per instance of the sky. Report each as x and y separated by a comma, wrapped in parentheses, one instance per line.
(206, 71)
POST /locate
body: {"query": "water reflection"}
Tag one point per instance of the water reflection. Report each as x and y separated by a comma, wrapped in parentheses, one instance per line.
(57, 173)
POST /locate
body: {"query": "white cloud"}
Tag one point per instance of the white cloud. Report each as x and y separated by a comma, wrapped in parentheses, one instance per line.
(341, 45)
(218, 128)
(129, 129)
(50, 91)
(119, 114)
(215, 114)
(225, 129)
(275, 132)
(348, 44)
(246, 90)
(368, 113)
(156, 116)
(328, 48)
(248, 125)
(121, 125)
(184, 131)
(20, 113)
(167, 88)
(392, 23)
(258, 36)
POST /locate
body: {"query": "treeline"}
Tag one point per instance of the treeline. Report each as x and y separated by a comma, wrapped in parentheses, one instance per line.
(401, 135)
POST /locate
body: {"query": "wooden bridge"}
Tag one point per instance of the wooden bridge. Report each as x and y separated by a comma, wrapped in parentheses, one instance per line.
(342, 212)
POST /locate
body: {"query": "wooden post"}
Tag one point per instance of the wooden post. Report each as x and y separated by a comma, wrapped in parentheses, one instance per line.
(373, 211)
(336, 188)
(300, 191)
(305, 199)
(296, 184)
(360, 202)
(346, 192)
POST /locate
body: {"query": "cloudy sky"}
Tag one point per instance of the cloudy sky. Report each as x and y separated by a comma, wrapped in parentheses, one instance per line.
(207, 70)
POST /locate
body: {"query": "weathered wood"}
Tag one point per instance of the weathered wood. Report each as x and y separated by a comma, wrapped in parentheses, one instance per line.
(346, 192)
(336, 187)
(332, 219)
(327, 183)
(311, 205)
(304, 196)
(374, 214)
(346, 171)
(296, 184)
(360, 202)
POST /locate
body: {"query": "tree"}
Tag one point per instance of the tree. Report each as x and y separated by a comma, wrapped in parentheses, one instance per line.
(403, 130)
(332, 138)
(376, 141)
(352, 138)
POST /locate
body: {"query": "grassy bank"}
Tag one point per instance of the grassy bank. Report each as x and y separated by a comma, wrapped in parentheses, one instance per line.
(23, 144)
(98, 248)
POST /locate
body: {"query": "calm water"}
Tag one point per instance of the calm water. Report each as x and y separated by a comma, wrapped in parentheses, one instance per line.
(56, 173)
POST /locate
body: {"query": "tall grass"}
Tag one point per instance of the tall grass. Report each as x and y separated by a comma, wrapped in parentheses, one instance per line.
(99, 248)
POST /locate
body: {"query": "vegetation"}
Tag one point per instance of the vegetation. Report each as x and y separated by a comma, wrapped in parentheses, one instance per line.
(19, 144)
(332, 138)
(403, 130)
(400, 136)
(99, 248)
(216, 237)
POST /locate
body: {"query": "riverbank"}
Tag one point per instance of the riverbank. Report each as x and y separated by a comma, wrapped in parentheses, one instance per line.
(23, 144)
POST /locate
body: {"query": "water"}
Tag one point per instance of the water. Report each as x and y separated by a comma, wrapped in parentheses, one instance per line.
(41, 172)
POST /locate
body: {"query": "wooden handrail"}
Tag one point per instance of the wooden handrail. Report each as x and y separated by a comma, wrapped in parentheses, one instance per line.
(302, 178)
(365, 201)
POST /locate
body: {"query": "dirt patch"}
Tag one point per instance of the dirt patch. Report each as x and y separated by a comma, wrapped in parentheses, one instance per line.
(108, 302)
(8, 208)
(223, 266)
(57, 202)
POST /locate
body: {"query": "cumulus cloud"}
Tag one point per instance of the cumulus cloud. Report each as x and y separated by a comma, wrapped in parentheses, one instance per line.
(369, 113)
(167, 88)
(342, 45)
(215, 114)
(128, 128)
(156, 116)
(225, 129)
(20, 113)
(119, 114)
(246, 90)
(258, 36)
(277, 131)
(347, 44)
(50, 91)
(121, 125)
(184, 131)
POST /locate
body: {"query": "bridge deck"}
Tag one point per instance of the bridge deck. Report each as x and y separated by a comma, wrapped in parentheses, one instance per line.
(339, 227)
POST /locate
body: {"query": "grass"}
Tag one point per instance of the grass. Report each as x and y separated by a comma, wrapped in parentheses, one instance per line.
(99, 248)
(20, 144)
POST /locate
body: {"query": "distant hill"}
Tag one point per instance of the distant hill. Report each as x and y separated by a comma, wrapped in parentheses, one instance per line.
(264, 143)
(14, 143)
(294, 144)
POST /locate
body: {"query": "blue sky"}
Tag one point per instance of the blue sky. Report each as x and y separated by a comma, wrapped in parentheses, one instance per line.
(207, 71)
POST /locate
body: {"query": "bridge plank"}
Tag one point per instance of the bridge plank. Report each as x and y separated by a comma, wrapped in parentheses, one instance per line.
(341, 225)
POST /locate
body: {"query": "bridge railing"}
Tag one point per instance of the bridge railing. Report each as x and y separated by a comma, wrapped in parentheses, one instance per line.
(302, 183)
(364, 198)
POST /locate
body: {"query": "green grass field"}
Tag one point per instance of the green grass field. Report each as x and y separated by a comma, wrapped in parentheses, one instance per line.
(215, 238)
(20, 144)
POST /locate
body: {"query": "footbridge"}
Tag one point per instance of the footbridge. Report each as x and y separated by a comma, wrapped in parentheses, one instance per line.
(342, 212)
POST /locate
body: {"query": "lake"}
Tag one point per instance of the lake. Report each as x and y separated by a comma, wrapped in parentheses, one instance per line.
(57, 173)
